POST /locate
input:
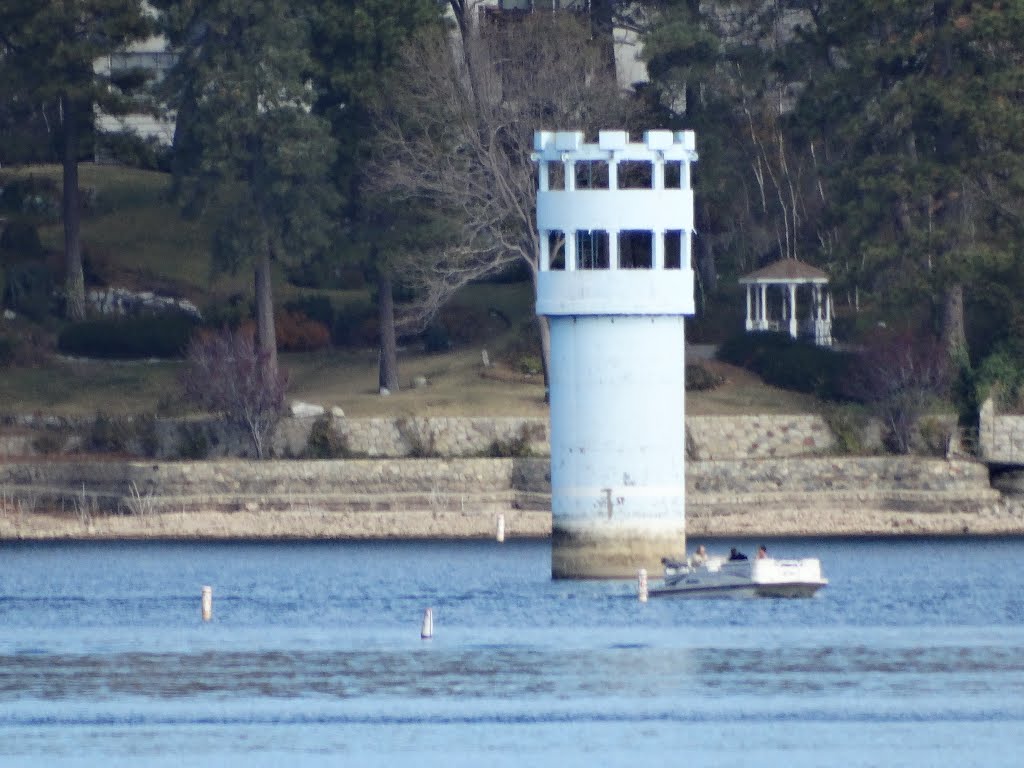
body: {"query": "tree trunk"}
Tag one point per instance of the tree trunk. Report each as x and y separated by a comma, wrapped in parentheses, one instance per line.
(954, 337)
(388, 365)
(266, 338)
(544, 327)
(74, 278)
(706, 263)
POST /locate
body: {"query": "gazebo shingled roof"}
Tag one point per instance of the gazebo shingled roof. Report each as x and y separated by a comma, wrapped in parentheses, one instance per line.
(786, 270)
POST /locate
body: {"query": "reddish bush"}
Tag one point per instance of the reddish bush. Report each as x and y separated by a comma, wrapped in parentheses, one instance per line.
(297, 333)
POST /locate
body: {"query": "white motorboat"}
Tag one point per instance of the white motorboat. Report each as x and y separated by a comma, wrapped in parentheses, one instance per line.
(722, 577)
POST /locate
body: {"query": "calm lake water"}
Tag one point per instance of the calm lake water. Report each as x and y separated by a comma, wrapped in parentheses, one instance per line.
(914, 655)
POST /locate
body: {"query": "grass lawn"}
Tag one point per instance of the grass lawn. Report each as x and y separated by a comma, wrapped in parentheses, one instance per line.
(349, 380)
(136, 238)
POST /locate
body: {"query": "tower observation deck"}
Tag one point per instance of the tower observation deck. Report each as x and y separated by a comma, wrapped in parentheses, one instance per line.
(616, 220)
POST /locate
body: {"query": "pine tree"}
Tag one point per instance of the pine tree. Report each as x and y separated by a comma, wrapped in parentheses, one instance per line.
(917, 108)
(354, 45)
(247, 138)
(49, 53)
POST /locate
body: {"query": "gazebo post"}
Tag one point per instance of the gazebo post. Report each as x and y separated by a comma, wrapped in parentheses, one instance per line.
(792, 310)
(749, 320)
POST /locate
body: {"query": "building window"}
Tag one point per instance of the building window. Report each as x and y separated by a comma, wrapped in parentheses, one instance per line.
(592, 174)
(592, 249)
(673, 175)
(673, 249)
(636, 174)
(556, 176)
(556, 251)
(636, 250)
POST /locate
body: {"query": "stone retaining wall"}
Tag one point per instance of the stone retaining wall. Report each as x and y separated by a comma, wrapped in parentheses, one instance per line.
(709, 437)
(1000, 436)
(119, 486)
(743, 437)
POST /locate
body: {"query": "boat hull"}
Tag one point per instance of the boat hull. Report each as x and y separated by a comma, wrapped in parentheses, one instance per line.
(795, 590)
(720, 578)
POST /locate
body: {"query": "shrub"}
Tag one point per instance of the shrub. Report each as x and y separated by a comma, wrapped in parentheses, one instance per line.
(49, 443)
(522, 353)
(227, 374)
(128, 148)
(898, 375)
(518, 446)
(107, 434)
(848, 422)
(129, 337)
(324, 442)
(436, 338)
(784, 362)
(228, 313)
(297, 333)
(1001, 376)
(700, 379)
(458, 324)
(20, 241)
(6, 351)
(421, 440)
(33, 195)
(145, 435)
(355, 325)
(935, 435)
(193, 442)
(318, 308)
(29, 346)
(326, 273)
(29, 289)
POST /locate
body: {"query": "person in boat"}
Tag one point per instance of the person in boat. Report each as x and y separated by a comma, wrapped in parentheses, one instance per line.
(735, 554)
(762, 552)
(699, 557)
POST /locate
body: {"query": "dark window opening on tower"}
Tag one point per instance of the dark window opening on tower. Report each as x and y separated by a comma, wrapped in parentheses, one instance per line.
(673, 175)
(592, 174)
(556, 251)
(592, 249)
(636, 174)
(556, 176)
(674, 249)
(636, 250)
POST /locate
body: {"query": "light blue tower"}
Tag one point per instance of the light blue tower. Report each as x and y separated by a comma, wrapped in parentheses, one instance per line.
(615, 220)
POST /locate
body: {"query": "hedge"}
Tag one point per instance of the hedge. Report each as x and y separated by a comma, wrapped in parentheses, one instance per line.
(129, 338)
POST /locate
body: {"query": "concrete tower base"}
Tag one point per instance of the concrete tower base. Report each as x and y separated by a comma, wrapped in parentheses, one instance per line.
(607, 555)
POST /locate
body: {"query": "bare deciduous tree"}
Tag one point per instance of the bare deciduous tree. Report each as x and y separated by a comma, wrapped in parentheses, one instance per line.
(899, 375)
(456, 141)
(225, 373)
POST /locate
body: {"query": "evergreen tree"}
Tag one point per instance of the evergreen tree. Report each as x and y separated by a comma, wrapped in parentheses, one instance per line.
(248, 140)
(354, 45)
(719, 71)
(918, 110)
(50, 49)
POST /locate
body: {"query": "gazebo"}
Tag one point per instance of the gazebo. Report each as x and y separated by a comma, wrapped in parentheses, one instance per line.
(777, 309)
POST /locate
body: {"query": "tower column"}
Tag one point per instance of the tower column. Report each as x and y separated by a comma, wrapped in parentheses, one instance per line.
(617, 373)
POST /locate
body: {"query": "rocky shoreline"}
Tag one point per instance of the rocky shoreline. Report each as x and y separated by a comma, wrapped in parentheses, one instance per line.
(464, 498)
(1005, 518)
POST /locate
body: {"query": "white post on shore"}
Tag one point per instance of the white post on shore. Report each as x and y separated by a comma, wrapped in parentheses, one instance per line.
(427, 631)
(207, 603)
(641, 585)
(500, 536)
